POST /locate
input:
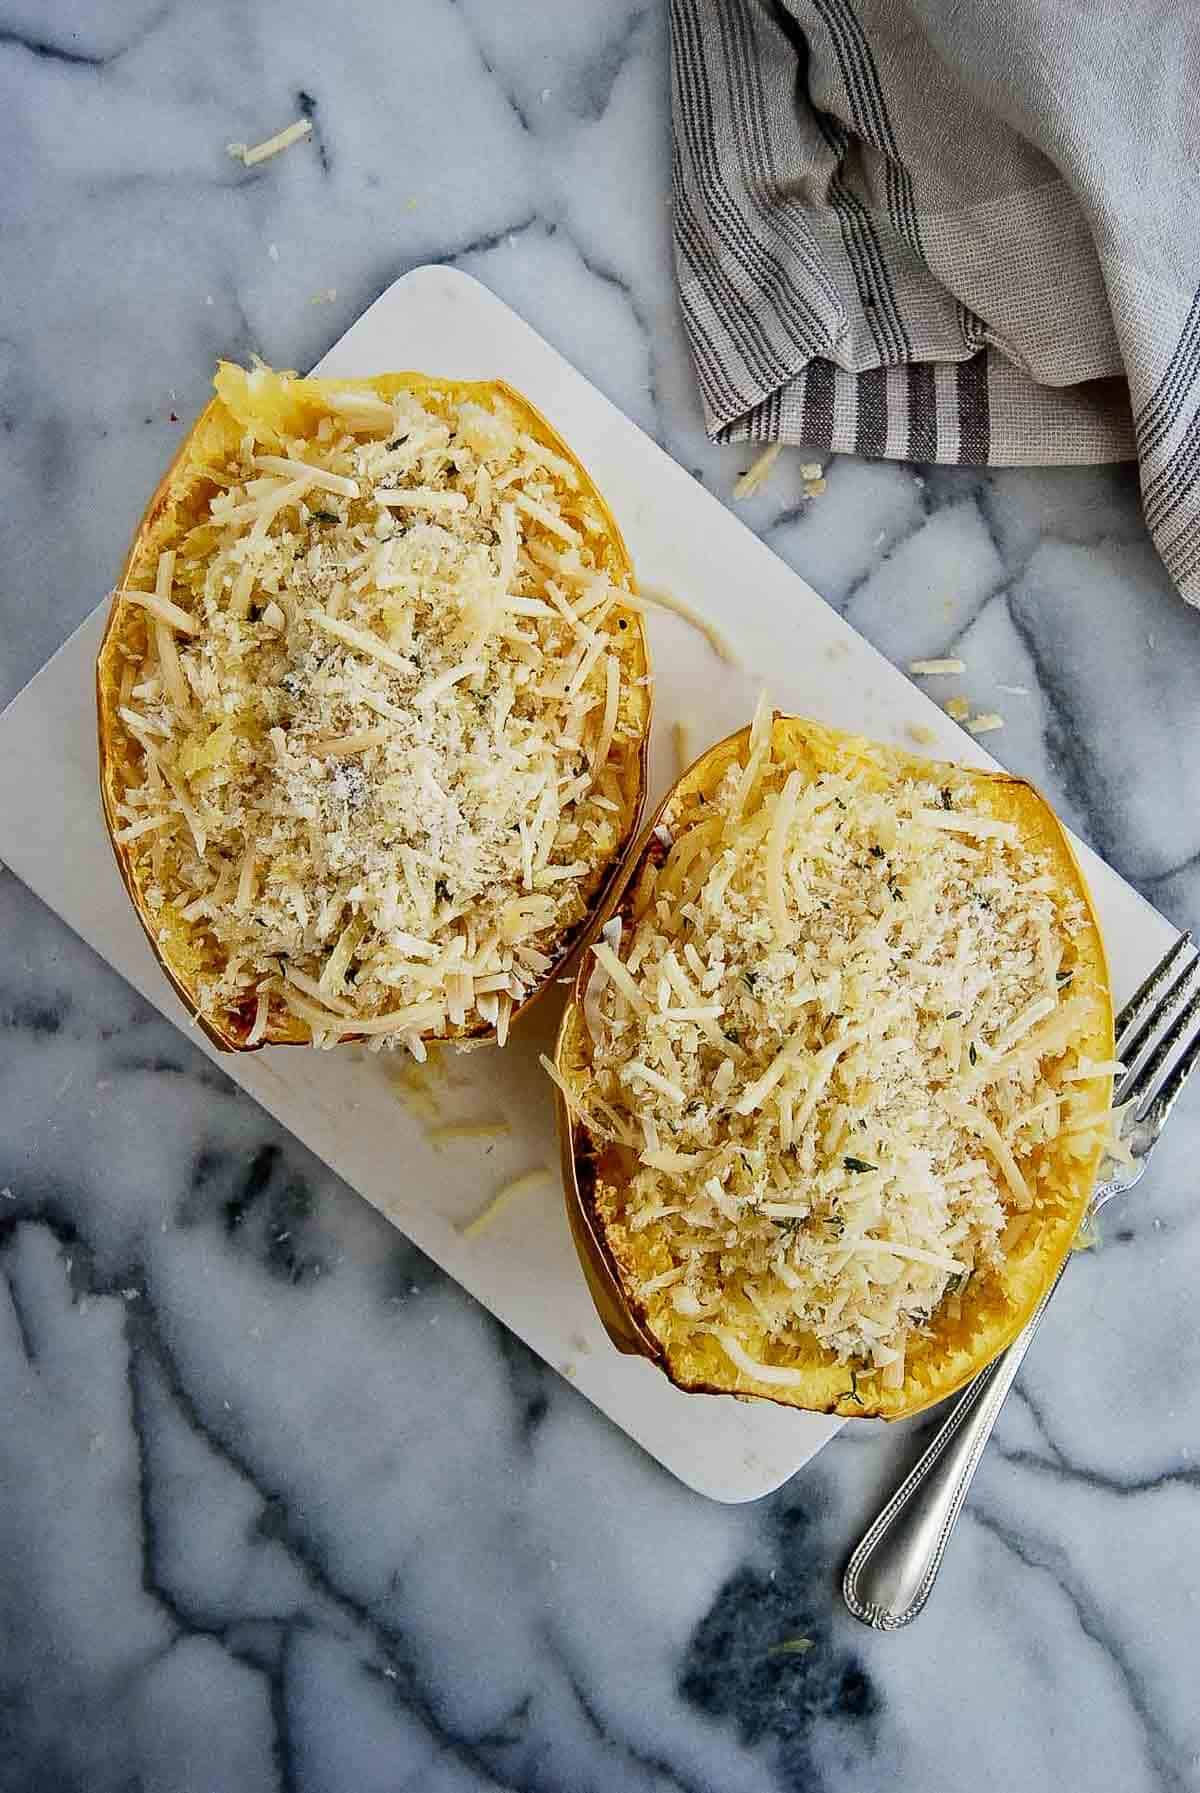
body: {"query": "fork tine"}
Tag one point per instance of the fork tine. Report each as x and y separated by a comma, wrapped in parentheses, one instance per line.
(1132, 1048)
(1139, 1084)
(1167, 1095)
(1140, 1002)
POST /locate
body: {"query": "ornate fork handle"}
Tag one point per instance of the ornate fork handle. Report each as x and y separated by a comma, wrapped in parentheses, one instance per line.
(891, 1574)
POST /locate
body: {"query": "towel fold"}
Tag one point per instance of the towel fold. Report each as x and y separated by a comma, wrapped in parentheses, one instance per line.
(966, 233)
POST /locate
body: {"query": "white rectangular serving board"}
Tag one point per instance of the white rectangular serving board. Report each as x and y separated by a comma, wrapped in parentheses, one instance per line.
(341, 1103)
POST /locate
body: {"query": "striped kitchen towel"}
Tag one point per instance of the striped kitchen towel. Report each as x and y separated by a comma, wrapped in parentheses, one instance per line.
(962, 232)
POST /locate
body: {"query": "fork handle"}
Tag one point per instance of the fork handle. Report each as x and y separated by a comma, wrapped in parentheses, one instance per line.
(891, 1574)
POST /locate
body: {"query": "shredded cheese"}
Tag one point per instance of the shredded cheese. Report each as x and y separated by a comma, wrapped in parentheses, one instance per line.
(134, 830)
(658, 599)
(250, 154)
(758, 472)
(423, 499)
(303, 474)
(258, 1027)
(162, 609)
(612, 701)
(1088, 1069)
(773, 1375)
(363, 640)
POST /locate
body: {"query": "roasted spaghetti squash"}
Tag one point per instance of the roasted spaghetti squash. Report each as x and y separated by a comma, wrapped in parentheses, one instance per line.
(373, 706)
(835, 1081)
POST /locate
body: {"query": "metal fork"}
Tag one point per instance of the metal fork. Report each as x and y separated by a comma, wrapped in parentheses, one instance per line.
(891, 1574)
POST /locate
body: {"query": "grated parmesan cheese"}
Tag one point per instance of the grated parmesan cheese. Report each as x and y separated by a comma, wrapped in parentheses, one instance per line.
(395, 803)
(835, 1109)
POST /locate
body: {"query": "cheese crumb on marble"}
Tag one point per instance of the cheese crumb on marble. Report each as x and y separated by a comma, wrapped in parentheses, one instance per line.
(251, 154)
(758, 472)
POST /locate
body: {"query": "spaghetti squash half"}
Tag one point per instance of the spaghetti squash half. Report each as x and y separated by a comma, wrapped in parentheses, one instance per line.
(373, 706)
(835, 1081)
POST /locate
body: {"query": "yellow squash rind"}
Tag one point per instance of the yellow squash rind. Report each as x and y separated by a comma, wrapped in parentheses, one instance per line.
(995, 1305)
(278, 407)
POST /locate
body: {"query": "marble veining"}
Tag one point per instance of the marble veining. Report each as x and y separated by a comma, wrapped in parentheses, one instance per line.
(280, 1507)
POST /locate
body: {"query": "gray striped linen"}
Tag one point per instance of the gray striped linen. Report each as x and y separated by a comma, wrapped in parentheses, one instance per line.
(948, 230)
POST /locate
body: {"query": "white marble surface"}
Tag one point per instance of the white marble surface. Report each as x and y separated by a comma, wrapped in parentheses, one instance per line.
(279, 1506)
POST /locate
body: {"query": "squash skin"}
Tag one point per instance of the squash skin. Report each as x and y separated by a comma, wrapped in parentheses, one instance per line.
(996, 1304)
(286, 406)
